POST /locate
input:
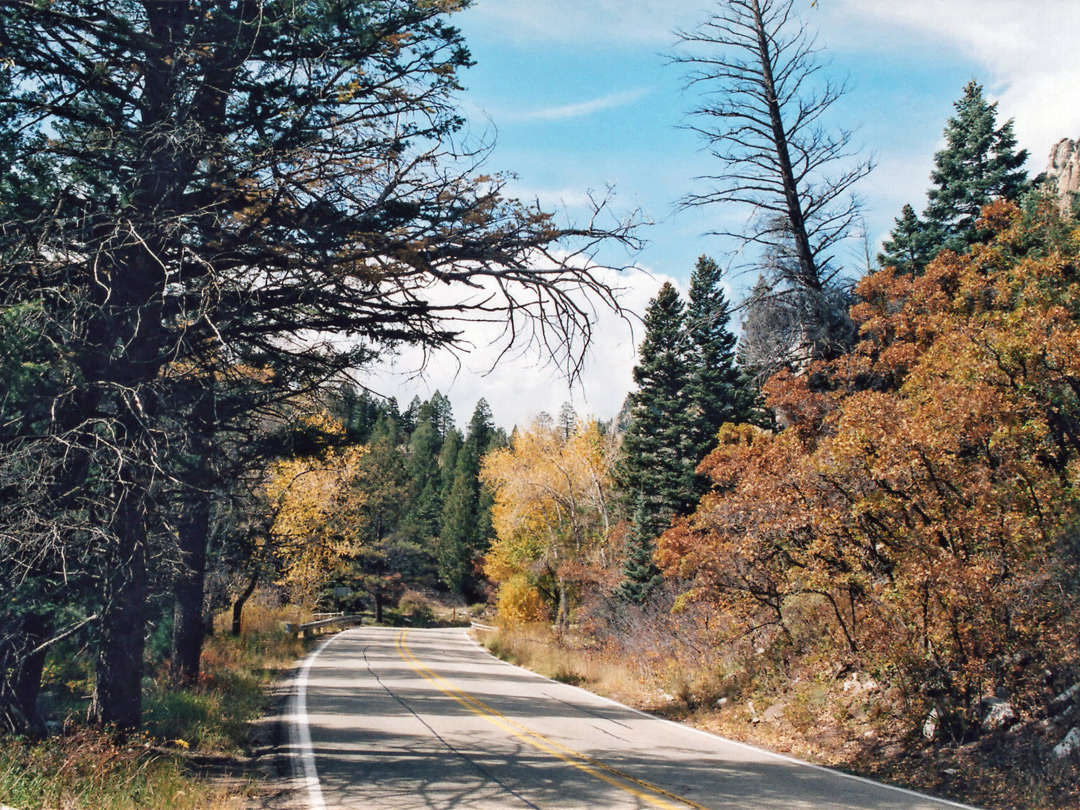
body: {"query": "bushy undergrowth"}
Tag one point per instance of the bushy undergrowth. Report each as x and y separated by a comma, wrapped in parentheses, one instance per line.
(416, 608)
(85, 769)
(430, 608)
(215, 714)
(795, 692)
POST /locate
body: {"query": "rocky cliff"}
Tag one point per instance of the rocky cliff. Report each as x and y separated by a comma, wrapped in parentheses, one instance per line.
(1064, 167)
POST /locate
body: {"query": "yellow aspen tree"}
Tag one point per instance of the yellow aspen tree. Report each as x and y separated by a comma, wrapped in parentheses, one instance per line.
(551, 514)
(317, 522)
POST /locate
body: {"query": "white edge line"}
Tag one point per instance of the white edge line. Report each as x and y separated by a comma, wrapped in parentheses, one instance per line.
(747, 746)
(303, 755)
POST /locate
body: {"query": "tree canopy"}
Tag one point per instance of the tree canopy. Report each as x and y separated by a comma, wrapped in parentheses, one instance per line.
(979, 163)
(552, 516)
(656, 466)
(280, 186)
(923, 497)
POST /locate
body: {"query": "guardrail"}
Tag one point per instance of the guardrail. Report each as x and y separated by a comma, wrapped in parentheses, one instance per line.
(307, 628)
(478, 626)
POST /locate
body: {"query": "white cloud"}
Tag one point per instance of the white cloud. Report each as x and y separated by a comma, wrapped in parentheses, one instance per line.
(1027, 52)
(577, 110)
(523, 383)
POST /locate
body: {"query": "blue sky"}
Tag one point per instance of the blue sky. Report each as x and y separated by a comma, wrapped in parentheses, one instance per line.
(580, 95)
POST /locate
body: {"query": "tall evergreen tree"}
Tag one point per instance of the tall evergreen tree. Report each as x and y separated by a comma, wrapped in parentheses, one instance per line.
(448, 453)
(481, 427)
(386, 557)
(912, 245)
(453, 560)
(656, 465)
(411, 416)
(422, 466)
(440, 413)
(567, 420)
(641, 575)
(717, 392)
(979, 163)
(466, 517)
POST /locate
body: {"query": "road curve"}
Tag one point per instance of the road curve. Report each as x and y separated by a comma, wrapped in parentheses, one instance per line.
(425, 719)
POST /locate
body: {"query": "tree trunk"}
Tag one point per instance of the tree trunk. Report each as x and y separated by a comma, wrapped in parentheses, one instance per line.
(189, 627)
(20, 676)
(563, 617)
(117, 698)
(809, 276)
(378, 607)
(238, 605)
(28, 681)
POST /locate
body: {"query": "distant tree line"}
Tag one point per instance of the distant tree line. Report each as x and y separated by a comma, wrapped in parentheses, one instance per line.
(383, 500)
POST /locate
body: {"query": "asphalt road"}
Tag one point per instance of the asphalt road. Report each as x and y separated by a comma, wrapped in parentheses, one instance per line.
(425, 719)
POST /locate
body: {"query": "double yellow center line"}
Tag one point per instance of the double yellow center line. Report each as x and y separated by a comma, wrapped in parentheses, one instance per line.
(646, 791)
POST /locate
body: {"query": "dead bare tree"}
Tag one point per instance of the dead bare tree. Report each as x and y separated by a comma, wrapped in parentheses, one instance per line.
(764, 100)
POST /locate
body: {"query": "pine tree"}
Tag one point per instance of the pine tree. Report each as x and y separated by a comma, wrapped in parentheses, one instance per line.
(453, 553)
(641, 576)
(386, 557)
(410, 418)
(448, 453)
(912, 245)
(439, 412)
(567, 420)
(717, 391)
(466, 517)
(421, 521)
(425, 444)
(978, 164)
(481, 427)
(688, 386)
(656, 466)
(357, 410)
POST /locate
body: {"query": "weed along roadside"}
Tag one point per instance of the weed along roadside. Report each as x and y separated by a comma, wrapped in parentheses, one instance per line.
(210, 746)
(216, 745)
(822, 717)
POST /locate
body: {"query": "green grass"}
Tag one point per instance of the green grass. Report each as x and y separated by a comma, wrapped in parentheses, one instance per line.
(206, 718)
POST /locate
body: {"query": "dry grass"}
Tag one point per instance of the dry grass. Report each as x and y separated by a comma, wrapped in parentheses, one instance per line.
(88, 770)
(563, 658)
(192, 752)
(812, 709)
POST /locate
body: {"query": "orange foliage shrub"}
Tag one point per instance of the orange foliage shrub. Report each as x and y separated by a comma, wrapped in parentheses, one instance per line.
(925, 490)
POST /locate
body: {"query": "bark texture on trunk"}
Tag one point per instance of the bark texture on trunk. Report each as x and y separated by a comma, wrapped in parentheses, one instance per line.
(189, 625)
(117, 698)
(189, 622)
(20, 676)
